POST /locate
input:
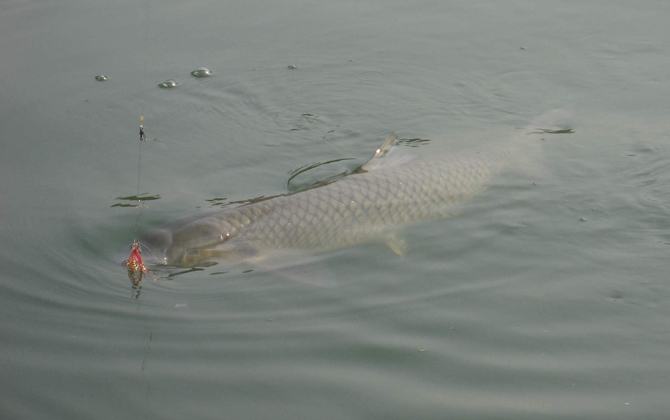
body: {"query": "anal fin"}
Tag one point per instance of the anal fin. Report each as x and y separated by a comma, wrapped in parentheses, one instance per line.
(297, 266)
(397, 245)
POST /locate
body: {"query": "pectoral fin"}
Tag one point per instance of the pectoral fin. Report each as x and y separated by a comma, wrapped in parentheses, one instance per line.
(297, 266)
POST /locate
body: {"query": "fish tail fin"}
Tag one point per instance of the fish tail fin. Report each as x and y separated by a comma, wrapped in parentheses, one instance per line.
(527, 154)
(556, 121)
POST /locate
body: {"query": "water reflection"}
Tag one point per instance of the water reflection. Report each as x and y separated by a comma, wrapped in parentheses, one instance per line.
(416, 142)
(138, 198)
(303, 169)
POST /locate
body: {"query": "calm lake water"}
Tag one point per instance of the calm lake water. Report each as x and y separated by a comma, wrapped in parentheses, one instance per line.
(546, 299)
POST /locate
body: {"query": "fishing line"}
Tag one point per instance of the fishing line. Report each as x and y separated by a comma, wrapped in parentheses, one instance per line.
(142, 102)
(134, 263)
(139, 172)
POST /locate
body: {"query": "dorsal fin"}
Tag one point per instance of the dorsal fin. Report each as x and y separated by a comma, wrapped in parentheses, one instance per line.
(387, 155)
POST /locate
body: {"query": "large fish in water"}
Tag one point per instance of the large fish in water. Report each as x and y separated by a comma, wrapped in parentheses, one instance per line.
(389, 191)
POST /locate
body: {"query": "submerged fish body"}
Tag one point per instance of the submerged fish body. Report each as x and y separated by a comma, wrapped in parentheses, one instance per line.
(389, 191)
(360, 207)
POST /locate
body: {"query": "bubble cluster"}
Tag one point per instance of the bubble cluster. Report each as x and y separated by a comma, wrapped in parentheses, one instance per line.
(169, 83)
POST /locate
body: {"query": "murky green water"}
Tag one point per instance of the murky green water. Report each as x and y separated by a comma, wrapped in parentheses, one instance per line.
(547, 298)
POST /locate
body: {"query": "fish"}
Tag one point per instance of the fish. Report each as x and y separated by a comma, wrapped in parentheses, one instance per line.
(392, 190)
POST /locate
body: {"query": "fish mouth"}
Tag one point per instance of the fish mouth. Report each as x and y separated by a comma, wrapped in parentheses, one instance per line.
(154, 245)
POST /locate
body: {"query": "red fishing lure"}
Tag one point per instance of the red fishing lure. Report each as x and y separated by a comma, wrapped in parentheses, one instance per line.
(135, 264)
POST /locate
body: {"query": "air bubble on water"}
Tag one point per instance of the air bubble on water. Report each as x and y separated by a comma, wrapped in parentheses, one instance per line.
(168, 84)
(101, 78)
(201, 72)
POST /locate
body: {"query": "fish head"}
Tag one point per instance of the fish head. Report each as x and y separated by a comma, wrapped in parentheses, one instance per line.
(190, 244)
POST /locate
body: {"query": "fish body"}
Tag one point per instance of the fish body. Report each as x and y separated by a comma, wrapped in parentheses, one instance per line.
(389, 191)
